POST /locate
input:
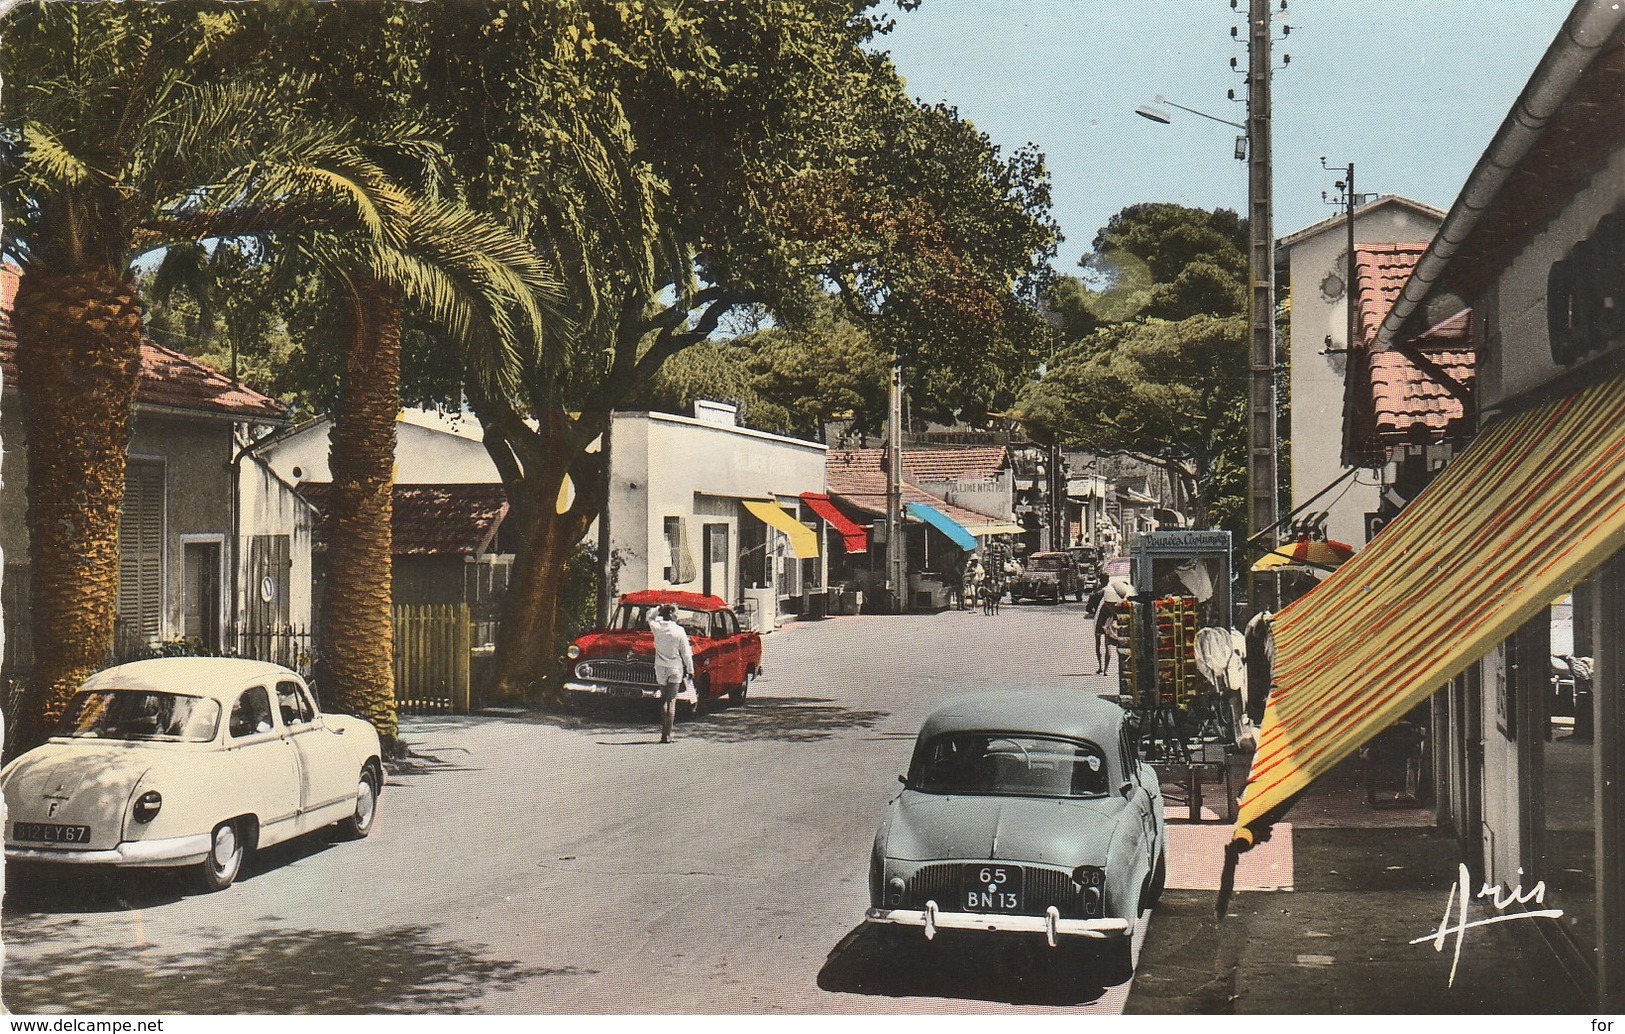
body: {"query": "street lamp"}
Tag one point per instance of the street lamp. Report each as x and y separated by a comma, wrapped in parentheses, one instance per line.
(1155, 113)
(1255, 145)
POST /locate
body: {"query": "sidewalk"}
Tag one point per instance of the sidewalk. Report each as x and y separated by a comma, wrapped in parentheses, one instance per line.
(1355, 886)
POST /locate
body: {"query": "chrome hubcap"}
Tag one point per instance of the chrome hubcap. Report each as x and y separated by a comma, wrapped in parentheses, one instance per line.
(225, 846)
(363, 804)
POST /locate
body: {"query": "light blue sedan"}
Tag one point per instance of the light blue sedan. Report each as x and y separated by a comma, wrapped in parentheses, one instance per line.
(1023, 811)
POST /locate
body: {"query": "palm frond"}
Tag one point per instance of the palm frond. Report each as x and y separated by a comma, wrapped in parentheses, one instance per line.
(49, 161)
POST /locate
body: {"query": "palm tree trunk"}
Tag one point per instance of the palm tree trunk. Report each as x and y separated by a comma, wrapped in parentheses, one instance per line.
(355, 667)
(78, 364)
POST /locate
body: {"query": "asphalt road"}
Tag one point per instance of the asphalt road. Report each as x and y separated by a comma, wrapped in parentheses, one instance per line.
(572, 864)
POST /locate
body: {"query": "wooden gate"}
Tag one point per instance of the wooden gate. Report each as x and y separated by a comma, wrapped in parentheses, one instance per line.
(433, 644)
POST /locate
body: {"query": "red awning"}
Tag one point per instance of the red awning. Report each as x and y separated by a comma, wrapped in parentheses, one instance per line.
(855, 536)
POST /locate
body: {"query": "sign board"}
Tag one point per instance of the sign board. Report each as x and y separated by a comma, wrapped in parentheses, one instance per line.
(1184, 543)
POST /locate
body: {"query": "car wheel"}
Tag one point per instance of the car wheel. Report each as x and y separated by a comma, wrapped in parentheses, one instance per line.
(359, 824)
(1155, 882)
(224, 861)
(737, 695)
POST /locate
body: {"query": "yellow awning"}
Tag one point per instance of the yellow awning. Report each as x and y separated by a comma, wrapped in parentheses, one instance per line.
(1532, 507)
(803, 540)
(998, 528)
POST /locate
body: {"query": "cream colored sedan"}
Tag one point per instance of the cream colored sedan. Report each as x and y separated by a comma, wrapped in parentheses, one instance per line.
(189, 761)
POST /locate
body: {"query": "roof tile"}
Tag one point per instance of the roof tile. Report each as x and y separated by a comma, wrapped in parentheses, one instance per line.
(168, 378)
(434, 520)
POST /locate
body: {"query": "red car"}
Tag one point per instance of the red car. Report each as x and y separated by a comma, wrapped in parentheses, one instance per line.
(618, 661)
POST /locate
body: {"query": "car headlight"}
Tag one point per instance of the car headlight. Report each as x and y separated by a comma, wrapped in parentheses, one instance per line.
(573, 652)
(147, 805)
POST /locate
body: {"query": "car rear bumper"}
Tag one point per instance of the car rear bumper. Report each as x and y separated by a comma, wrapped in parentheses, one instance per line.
(172, 851)
(1051, 925)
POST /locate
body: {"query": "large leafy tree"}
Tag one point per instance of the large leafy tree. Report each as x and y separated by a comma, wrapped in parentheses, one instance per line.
(1155, 360)
(241, 157)
(653, 152)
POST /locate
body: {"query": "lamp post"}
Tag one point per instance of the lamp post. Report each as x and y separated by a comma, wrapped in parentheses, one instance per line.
(1255, 147)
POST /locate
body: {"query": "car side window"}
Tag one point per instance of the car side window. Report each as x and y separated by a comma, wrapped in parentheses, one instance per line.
(727, 625)
(1125, 745)
(295, 706)
(251, 714)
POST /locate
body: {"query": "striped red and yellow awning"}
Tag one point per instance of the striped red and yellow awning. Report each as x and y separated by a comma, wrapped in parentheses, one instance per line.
(1531, 508)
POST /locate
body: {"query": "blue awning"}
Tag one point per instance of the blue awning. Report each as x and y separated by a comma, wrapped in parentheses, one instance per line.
(942, 522)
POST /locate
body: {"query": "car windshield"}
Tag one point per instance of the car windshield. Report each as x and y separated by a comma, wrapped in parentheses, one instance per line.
(1018, 764)
(132, 714)
(634, 617)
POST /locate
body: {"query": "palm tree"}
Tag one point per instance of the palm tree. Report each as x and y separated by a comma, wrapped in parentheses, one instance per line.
(114, 152)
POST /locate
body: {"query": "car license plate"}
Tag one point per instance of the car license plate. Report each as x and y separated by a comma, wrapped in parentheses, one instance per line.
(50, 833)
(992, 888)
(625, 692)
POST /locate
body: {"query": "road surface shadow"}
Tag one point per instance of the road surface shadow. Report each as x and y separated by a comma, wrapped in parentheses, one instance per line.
(52, 889)
(401, 969)
(784, 719)
(901, 963)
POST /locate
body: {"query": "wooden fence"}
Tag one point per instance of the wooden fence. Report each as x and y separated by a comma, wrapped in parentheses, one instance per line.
(433, 651)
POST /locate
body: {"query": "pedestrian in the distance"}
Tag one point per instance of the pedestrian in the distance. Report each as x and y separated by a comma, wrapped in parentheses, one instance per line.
(1114, 639)
(674, 661)
(1106, 616)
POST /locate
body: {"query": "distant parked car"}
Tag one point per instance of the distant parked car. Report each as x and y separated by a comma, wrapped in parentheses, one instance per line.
(1022, 812)
(1088, 560)
(1048, 576)
(189, 761)
(618, 661)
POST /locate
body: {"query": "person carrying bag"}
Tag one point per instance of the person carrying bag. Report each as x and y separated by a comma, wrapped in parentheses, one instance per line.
(674, 665)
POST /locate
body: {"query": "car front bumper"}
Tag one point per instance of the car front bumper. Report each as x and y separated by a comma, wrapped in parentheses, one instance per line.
(622, 691)
(1051, 925)
(171, 851)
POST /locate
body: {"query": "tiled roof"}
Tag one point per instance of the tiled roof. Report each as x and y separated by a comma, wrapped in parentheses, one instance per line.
(1399, 397)
(1380, 274)
(435, 520)
(168, 378)
(864, 488)
(1404, 397)
(930, 464)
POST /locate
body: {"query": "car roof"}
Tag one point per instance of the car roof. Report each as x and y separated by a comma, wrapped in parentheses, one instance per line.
(1057, 712)
(218, 678)
(690, 600)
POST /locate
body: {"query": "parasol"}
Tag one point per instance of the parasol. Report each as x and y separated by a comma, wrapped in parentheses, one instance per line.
(1306, 554)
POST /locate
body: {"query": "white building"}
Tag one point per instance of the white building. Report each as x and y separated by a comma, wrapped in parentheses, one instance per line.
(702, 505)
(1317, 261)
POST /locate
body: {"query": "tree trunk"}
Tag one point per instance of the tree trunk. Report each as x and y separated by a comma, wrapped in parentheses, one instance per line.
(78, 364)
(355, 665)
(529, 650)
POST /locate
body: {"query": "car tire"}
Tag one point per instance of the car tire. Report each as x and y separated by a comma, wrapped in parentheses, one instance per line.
(1155, 882)
(227, 848)
(360, 821)
(737, 695)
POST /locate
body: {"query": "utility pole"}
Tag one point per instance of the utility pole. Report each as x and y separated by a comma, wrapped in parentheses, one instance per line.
(1262, 484)
(896, 553)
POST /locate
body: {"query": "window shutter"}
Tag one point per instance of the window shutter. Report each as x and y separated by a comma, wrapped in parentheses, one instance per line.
(141, 553)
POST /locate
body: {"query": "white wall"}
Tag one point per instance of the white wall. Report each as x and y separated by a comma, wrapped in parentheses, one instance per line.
(1522, 360)
(671, 466)
(1316, 380)
(271, 507)
(424, 455)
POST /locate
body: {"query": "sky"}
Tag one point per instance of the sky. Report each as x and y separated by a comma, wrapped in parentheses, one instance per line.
(1410, 91)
